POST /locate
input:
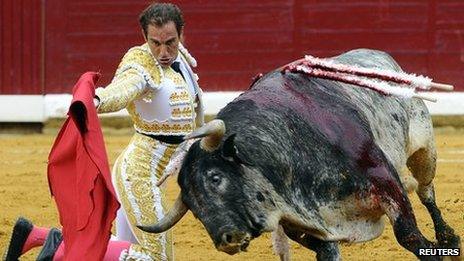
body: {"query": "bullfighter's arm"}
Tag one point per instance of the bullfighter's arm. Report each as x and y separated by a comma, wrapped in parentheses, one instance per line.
(127, 87)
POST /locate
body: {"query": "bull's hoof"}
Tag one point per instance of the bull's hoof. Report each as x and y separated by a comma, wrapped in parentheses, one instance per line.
(452, 241)
(448, 239)
(284, 257)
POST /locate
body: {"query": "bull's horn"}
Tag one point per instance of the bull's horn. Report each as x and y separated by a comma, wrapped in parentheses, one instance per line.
(172, 217)
(211, 134)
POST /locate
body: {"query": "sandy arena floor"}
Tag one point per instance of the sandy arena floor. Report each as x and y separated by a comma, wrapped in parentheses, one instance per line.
(24, 192)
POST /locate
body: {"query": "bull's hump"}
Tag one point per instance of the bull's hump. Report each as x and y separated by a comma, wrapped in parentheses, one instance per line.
(329, 111)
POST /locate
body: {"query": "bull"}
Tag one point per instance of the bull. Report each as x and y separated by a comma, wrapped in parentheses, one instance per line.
(320, 158)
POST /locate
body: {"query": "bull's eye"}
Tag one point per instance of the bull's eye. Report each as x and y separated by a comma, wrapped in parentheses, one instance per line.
(216, 179)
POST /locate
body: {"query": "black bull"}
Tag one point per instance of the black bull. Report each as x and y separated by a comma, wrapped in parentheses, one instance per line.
(319, 157)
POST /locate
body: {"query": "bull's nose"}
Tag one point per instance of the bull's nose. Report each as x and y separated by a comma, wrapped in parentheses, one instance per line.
(234, 242)
(233, 237)
(227, 238)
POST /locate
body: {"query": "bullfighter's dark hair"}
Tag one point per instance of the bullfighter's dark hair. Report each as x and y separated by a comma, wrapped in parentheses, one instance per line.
(160, 14)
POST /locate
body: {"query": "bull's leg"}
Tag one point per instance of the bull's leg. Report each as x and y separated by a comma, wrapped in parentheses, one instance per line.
(396, 205)
(325, 250)
(404, 224)
(422, 165)
(280, 244)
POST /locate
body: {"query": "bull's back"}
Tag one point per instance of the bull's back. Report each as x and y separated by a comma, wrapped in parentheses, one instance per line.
(339, 111)
(348, 112)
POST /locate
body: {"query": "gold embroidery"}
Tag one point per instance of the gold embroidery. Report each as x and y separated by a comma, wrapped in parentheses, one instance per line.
(187, 112)
(174, 96)
(175, 113)
(120, 92)
(134, 172)
(179, 97)
(178, 81)
(141, 55)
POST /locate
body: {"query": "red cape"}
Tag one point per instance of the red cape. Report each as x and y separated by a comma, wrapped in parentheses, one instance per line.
(79, 177)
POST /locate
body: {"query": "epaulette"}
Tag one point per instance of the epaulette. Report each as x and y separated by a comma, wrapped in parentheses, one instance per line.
(141, 59)
(187, 56)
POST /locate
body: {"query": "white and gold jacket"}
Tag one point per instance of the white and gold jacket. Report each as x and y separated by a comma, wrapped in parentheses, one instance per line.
(159, 100)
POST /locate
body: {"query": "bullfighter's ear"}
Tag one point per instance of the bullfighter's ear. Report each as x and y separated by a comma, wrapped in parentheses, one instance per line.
(230, 151)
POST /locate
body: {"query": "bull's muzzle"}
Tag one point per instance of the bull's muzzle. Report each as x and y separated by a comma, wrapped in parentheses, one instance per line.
(233, 242)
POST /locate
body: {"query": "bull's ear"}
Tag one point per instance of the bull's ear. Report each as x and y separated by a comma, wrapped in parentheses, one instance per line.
(230, 151)
(228, 148)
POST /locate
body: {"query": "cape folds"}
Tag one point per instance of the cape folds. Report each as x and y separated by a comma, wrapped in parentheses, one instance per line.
(79, 177)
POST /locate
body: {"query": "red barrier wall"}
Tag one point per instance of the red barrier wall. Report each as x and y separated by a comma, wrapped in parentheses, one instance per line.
(20, 47)
(232, 40)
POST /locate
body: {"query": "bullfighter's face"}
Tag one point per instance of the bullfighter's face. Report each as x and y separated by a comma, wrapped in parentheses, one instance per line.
(213, 187)
(163, 42)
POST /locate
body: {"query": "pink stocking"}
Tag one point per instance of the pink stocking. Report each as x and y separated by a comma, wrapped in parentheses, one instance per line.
(59, 254)
(36, 238)
(113, 250)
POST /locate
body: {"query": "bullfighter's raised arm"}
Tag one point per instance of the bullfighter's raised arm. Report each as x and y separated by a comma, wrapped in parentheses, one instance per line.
(129, 86)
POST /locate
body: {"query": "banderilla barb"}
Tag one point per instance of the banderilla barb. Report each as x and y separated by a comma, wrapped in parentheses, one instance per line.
(375, 79)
